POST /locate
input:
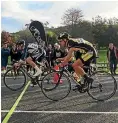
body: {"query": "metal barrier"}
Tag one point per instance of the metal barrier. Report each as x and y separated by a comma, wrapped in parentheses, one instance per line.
(101, 65)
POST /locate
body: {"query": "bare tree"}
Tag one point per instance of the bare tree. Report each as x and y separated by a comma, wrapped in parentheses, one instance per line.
(72, 17)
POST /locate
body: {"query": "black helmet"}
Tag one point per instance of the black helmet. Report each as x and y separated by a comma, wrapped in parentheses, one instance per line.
(63, 35)
(20, 42)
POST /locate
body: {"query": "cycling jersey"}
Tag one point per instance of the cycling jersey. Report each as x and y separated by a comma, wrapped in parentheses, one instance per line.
(87, 50)
(82, 44)
(36, 52)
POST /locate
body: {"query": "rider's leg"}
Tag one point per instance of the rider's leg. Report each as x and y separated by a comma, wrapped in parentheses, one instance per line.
(29, 60)
(77, 66)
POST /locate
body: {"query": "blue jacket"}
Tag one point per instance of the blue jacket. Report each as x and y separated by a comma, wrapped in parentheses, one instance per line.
(5, 52)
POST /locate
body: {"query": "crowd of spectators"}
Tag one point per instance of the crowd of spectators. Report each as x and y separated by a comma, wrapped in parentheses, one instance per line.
(52, 53)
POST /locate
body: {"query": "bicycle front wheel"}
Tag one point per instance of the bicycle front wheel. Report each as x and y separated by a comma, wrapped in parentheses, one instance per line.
(14, 79)
(54, 88)
(103, 87)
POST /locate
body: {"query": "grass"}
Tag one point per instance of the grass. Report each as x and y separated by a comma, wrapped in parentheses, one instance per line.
(102, 56)
(9, 60)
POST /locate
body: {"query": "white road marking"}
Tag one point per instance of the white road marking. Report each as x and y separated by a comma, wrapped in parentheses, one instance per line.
(60, 112)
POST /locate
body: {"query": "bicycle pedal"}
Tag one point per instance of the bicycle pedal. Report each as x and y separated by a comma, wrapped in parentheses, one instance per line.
(83, 90)
(76, 88)
(31, 85)
(92, 87)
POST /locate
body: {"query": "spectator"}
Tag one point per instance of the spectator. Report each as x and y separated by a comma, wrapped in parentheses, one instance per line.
(5, 52)
(112, 58)
(58, 52)
(49, 54)
(21, 50)
(13, 53)
(117, 53)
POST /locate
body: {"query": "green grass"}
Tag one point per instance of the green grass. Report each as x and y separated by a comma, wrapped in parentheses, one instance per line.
(9, 60)
(102, 56)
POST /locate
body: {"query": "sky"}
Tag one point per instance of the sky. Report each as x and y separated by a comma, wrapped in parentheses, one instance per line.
(15, 14)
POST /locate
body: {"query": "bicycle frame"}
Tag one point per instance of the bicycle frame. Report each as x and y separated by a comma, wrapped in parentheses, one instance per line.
(91, 70)
(23, 68)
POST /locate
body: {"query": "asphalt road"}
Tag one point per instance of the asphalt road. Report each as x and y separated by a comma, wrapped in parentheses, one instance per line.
(34, 107)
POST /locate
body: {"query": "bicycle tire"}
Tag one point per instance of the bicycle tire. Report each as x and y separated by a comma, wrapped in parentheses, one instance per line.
(53, 90)
(7, 83)
(106, 84)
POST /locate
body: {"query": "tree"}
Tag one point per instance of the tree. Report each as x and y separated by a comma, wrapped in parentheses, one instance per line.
(51, 37)
(105, 30)
(26, 35)
(15, 37)
(72, 17)
(6, 37)
(99, 28)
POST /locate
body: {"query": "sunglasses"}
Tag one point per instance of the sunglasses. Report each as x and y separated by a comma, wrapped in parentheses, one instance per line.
(60, 40)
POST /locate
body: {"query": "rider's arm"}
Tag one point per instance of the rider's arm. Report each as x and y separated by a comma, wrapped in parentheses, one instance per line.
(70, 54)
(60, 59)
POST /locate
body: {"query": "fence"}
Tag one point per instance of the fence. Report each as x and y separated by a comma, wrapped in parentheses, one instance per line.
(102, 65)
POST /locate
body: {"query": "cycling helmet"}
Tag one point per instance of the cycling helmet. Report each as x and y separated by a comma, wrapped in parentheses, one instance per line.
(63, 35)
(56, 44)
(20, 42)
(32, 47)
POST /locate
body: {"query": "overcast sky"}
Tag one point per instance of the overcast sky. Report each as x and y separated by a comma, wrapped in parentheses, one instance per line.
(15, 14)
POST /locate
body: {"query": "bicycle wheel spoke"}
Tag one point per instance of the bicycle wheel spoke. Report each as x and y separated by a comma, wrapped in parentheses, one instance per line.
(103, 87)
(54, 89)
(14, 80)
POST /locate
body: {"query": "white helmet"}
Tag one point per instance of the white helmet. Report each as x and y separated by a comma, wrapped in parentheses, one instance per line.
(32, 47)
(56, 44)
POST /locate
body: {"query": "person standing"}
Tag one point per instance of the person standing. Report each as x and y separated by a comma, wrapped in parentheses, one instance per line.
(49, 54)
(58, 52)
(13, 53)
(5, 52)
(112, 58)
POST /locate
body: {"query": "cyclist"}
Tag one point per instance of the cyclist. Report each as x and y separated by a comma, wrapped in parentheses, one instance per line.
(77, 45)
(35, 54)
(31, 54)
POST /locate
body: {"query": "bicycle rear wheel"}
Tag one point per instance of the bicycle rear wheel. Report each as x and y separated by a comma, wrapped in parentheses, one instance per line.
(14, 79)
(55, 89)
(103, 87)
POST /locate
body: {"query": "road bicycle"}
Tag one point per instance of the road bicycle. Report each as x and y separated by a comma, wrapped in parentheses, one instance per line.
(102, 88)
(16, 78)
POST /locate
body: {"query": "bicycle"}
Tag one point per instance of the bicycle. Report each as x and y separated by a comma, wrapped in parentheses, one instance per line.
(100, 89)
(13, 74)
